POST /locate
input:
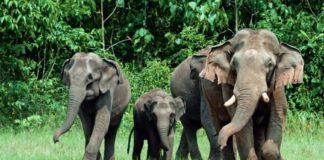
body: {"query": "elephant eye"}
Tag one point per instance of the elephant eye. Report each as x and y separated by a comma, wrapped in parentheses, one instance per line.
(172, 115)
(269, 63)
(90, 76)
(234, 62)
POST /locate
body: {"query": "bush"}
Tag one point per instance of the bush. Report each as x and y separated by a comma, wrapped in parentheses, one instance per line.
(20, 100)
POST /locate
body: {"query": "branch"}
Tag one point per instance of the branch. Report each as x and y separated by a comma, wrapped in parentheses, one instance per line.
(310, 8)
(110, 14)
(124, 40)
(111, 41)
(236, 16)
(102, 25)
(51, 69)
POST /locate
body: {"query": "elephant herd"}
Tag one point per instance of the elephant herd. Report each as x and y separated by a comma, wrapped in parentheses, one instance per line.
(234, 88)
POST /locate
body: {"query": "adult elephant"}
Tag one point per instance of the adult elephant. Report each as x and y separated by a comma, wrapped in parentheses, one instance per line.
(186, 83)
(251, 65)
(99, 93)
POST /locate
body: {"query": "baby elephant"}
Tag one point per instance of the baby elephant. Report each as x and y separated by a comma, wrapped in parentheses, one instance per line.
(155, 116)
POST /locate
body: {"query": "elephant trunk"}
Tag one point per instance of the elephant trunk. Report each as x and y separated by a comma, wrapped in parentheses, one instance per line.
(163, 129)
(76, 97)
(246, 104)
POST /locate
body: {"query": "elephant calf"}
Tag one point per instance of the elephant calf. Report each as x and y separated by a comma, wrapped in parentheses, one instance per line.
(99, 93)
(155, 116)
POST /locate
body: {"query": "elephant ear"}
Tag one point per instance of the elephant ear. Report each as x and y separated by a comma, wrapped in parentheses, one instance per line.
(217, 64)
(180, 108)
(290, 67)
(196, 64)
(110, 76)
(148, 109)
(65, 71)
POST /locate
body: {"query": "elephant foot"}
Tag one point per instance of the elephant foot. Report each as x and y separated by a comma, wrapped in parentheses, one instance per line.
(181, 157)
(112, 157)
(214, 157)
(91, 156)
(270, 151)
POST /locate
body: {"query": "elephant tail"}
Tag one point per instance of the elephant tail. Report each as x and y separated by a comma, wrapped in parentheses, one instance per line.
(129, 139)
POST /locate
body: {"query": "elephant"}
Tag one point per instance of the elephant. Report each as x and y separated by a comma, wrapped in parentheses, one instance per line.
(99, 93)
(155, 115)
(248, 73)
(185, 82)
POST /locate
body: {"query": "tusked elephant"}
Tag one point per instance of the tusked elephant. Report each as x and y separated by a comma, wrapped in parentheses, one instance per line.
(155, 115)
(185, 82)
(248, 73)
(99, 93)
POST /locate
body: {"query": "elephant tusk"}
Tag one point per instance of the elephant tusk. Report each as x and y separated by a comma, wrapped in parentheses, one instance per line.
(230, 101)
(265, 97)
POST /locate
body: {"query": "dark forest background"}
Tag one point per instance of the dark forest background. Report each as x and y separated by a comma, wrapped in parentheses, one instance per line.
(149, 38)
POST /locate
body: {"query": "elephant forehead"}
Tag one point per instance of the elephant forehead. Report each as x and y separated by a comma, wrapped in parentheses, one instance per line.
(163, 108)
(82, 55)
(79, 55)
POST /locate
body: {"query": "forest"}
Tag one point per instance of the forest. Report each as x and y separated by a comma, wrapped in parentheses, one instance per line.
(148, 38)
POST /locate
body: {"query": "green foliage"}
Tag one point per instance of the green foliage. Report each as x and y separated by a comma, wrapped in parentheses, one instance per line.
(148, 38)
(299, 122)
(19, 100)
(155, 74)
(33, 121)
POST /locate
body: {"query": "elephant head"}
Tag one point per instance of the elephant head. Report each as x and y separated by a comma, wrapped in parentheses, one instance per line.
(254, 63)
(164, 111)
(196, 65)
(197, 62)
(87, 76)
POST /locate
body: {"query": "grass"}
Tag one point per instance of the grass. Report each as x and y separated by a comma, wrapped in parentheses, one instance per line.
(37, 145)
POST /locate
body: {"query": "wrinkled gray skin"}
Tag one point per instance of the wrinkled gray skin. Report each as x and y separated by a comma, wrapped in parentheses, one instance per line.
(155, 116)
(99, 93)
(185, 82)
(249, 64)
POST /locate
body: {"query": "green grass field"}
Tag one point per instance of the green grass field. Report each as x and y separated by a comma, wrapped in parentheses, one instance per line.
(38, 145)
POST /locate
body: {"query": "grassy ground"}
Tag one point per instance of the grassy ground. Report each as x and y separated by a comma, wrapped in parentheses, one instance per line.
(37, 145)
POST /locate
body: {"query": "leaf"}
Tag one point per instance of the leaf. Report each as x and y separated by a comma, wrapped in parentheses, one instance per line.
(142, 32)
(173, 10)
(193, 5)
(304, 34)
(211, 19)
(178, 41)
(120, 3)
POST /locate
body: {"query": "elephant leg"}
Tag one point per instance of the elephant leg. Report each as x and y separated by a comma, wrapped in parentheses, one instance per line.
(191, 136)
(271, 147)
(215, 152)
(183, 150)
(87, 122)
(245, 142)
(208, 126)
(110, 143)
(259, 138)
(153, 147)
(100, 129)
(138, 144)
